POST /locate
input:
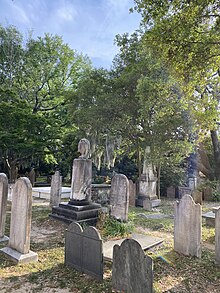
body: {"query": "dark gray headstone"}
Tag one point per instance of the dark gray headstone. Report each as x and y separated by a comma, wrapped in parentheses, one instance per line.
(73, 246)
(132, 270)
(92, 258)
(83, 250)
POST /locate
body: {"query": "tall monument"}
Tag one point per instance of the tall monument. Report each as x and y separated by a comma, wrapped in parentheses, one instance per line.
(80, 208)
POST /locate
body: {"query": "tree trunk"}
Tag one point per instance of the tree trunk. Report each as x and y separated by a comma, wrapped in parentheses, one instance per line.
(12, 170)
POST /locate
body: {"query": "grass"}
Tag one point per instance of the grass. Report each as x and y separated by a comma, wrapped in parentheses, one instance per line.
(172, 272)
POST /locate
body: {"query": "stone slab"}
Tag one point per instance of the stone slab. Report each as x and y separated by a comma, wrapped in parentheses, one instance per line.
(4, 239)
(19, 257)
(145, 241)
(44, 192)
(155, 216)
(209, 218)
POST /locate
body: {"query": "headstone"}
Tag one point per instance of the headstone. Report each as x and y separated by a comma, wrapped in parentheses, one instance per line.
(171, 192)
(119, 197)
(3, 204)
(32, 176)
(132, 193)
(187, 227)
(56, 189)
(83, 250)
(132, 270)
(80, 208)
(217, 235)
(20, 227)
(197, 196)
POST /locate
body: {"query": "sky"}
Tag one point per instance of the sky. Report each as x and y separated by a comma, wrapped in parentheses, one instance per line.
(88, 26)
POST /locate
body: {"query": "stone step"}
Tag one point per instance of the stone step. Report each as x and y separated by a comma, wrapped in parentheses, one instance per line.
(91, 206)
(75, 215)
(66, 220)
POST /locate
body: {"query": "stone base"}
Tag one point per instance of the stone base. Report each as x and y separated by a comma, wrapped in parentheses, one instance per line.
(141, 198)
(149, 204)
(209, 219)
(18, 257)
(4, 239)
(77, 211)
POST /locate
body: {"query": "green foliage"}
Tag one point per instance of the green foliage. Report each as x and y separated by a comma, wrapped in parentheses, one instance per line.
(111, 228)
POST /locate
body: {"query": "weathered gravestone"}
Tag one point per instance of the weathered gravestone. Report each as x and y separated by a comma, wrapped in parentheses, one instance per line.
(80, 208)
(132, 270)
(217, 235)
(187, 227)
(20, 227)
(132, 193)
(83, 250)
(56, 189)
(119, 197)
(3, 204)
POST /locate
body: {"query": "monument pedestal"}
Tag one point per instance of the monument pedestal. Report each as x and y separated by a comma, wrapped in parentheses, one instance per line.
(80, 211)
(18, 257)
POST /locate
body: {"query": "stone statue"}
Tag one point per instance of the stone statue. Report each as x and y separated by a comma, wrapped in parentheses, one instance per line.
(84, 148)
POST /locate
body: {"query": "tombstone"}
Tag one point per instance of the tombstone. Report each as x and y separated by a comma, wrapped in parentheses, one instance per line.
(80, 208)
(132, 193)
(18, 248)
(3, 205)
(32, 176)
(83, 250)
(187, 227)
(56, 189)
(182, 190)
(119, 197)
(217, 235)
(132, 270)
(197, 196)
(82, 173)
(171, 192)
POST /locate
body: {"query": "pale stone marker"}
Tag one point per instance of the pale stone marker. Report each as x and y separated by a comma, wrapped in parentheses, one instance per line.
(132, 193)
(3, 204)
(132, 270)
(20, 227)
(187, 227)
(119, 197)
(84, 250)
(82, 173)
(56, 189)
(217, 235)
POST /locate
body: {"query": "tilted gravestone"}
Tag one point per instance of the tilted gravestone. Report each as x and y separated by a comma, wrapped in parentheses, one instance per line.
(18, 248)
(3, 204)
(83, 250)
(132, 270)
(56, 189)
(187, 227)
(119, 197)
(217, 235)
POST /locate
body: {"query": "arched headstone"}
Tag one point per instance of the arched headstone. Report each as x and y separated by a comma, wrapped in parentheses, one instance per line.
(83, 250)
(3, 205)
(20, 227)
(132, 270)
(119, 197)
(187, 227)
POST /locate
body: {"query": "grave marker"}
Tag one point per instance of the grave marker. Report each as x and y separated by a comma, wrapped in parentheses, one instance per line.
(132, 270)
(83, 250)
(217, 235)
(187, 227)
(3, 204)
(119, 197)
(20, 227)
